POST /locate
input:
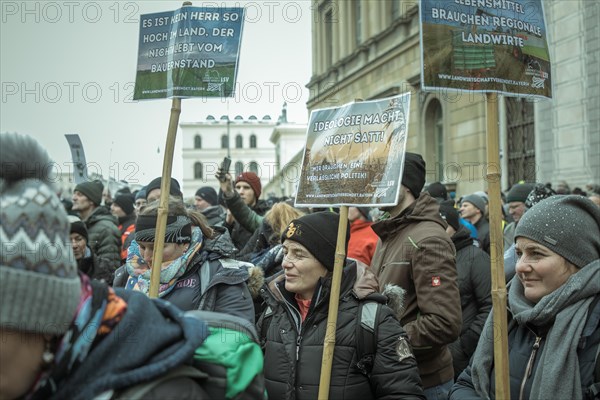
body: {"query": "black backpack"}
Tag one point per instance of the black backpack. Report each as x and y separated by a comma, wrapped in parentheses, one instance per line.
(366, 331)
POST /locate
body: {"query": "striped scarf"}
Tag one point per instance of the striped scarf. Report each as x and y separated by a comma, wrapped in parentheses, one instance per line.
(171, 271)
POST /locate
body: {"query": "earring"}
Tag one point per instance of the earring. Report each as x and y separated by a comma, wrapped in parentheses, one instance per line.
(47, 355)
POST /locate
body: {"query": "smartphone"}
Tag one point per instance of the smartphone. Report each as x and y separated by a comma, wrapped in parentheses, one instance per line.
(224, 169)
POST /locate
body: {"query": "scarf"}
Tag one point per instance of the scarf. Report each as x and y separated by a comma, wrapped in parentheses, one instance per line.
(170, 272)
(99, 311)
(567, 306)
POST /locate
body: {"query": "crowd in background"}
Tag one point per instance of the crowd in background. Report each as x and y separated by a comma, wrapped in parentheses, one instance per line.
(422, 267)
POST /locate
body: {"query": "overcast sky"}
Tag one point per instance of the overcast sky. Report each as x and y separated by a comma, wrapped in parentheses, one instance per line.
(69, 67)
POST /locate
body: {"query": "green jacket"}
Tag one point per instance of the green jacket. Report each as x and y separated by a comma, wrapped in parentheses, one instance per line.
(247, 219)
(105, 242)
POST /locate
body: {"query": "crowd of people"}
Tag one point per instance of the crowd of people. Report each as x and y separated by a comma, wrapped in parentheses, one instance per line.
(415, 310)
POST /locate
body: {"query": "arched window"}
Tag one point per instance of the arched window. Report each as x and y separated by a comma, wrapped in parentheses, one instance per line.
(198, 173)
(238, 142)
(252, 141)
(239, 168)
(253, 167)
(224, 142)
(198, 142)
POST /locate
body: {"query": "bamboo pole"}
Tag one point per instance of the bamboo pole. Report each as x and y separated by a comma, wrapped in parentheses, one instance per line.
(496, 251)
(163, 208)
(334, 300)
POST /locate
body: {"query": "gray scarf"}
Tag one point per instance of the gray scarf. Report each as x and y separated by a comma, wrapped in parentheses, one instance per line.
(568, 306)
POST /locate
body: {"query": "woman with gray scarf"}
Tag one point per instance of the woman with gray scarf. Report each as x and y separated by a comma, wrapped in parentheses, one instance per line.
(553, 308)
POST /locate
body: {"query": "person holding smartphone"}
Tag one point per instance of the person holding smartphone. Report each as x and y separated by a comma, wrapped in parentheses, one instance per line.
(245, 210)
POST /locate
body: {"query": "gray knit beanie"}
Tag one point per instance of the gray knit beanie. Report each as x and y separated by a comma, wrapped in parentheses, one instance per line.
(39, 283)
(567, 225)
(92, 190)
(519, 192)
(476, 200)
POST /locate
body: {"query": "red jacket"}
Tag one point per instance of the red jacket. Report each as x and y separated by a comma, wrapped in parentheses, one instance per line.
(363, 241)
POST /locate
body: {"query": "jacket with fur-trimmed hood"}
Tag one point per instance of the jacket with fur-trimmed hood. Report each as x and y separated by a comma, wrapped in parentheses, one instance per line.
(415, 253)
(214, 281)
(294, 348)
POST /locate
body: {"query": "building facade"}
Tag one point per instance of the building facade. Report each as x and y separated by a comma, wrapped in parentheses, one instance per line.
(289, 139)
(364, 49)
(248, 142)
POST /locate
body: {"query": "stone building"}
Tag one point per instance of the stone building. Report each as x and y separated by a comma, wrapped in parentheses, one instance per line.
(263, 146)
(206, 143)
(365, 49)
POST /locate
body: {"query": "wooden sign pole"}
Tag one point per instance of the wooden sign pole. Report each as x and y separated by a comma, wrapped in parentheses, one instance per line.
(334, 300)
(496, 251)
(163, 208)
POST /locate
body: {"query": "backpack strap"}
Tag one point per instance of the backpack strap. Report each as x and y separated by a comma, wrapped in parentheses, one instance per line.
(366, 335)
(264, 327)
(140, 391)
(204, 273)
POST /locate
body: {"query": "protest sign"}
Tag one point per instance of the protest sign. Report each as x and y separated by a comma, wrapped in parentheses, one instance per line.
(78, 156)
(189, 52)
(485, 46)
(354, 154)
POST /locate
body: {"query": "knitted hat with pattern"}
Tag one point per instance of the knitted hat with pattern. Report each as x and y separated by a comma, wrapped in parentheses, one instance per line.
(39, 282)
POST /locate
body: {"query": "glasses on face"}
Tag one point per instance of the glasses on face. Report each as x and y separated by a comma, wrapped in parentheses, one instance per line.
(295, 255)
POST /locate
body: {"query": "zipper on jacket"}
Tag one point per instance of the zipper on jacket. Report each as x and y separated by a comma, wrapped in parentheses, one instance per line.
(529, 368)
(298, 341)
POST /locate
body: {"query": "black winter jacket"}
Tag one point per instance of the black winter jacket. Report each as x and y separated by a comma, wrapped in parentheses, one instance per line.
(521, 340)
(105, 241)
(90, 265)
(294, 349)
(474, 284)
(213, 281)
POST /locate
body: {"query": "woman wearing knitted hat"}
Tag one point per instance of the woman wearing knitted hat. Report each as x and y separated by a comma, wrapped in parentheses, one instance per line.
(539, 192)
(554, 308)
(196, 271)
(62, 335)
(293, 325)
